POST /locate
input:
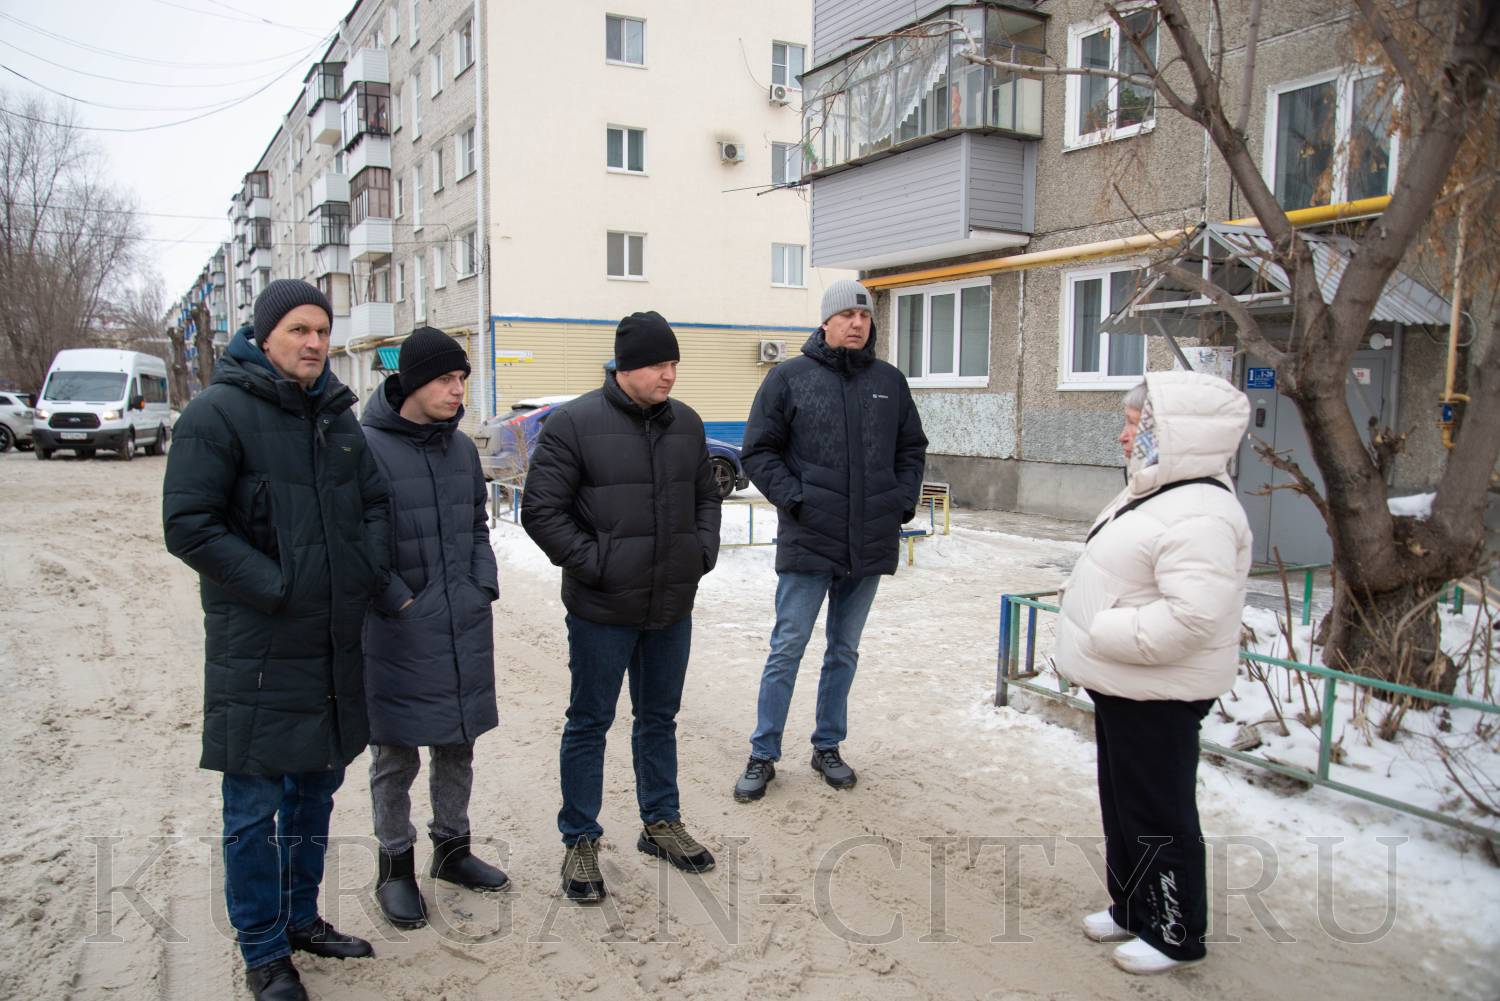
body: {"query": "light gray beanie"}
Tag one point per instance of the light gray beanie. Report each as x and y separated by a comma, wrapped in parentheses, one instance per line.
(846, 294)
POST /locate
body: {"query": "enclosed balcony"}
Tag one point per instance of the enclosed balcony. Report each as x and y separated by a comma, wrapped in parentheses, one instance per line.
(329, 226)
(371, 321)
(916, 153)
(255, 196)
(332, 259)
(370, 151)
(330, 187)
(371, 240)
(325, 91)
(370, 212)
(366, 66)
(900, 93)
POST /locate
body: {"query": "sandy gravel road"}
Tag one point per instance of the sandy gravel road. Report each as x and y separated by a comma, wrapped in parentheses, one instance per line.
(956, 869)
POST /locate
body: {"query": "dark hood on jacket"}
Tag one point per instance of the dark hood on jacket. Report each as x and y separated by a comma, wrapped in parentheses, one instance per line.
(245, 365)
(383, 412)
(816, 347)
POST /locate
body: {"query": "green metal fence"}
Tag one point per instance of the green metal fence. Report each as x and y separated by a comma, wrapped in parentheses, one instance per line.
(1015, 669)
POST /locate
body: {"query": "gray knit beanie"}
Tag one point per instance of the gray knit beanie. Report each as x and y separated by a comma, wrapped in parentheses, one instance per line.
(846, 294)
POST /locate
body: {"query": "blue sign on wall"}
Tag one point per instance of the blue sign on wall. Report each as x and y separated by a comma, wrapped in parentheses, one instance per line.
(1260, 378)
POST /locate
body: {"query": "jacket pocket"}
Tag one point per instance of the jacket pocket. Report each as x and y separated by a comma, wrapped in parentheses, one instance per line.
(254, 516)
(602, 542)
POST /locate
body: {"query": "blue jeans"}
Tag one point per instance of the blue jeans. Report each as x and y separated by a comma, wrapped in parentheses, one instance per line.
(275, 836)
(799, 596)
(599, 657)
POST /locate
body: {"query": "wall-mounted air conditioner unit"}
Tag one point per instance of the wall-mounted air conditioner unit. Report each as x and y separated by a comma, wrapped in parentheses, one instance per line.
(772, 352)
(779, 94)
(731, 152)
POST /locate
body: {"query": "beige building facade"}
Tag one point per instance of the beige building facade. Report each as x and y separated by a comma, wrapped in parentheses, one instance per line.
(650, 163)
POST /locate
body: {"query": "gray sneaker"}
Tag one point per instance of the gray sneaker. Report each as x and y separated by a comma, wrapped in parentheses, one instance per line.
(581, 879)
(835, 772)
(752, 785)
(669, 839)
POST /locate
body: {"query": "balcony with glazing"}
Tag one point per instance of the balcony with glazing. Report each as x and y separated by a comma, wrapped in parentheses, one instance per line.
(324, 89)
(328, 235)
(255, 196)
(914, 151)
(371, 237)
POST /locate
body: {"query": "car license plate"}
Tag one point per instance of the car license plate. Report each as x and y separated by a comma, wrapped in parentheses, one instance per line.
(75, 436)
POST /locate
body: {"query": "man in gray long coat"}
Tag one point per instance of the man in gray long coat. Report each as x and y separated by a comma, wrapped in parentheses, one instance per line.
(429, 646)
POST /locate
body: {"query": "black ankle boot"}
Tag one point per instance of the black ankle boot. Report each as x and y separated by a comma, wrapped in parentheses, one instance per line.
(396, 891)
(276, 981)
(452, 863)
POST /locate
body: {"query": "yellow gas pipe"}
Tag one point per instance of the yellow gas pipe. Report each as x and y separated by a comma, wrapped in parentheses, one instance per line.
(1445, 424)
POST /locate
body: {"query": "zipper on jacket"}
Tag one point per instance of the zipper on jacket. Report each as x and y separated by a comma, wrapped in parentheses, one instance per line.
(653, 609)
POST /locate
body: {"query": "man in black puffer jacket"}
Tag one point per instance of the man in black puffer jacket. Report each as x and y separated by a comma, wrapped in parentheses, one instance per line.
(429, 644)
(620, 494)
(835, 442)
(271, 495)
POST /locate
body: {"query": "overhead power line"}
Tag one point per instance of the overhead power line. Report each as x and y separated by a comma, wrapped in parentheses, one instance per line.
(137, 83)
(164, 125)
(250, 19)
(131, 57)
(217, 105)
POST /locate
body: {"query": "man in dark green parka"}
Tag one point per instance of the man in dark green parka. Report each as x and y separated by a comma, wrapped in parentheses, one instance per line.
(273, 498)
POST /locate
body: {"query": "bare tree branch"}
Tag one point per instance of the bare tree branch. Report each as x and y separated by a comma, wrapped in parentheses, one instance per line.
(1010, 67)
(1247, 329)
(1302, 484)
(1417, 88)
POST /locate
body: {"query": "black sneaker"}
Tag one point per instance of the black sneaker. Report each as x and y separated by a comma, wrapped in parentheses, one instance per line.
(835, 772)
(276, 981)
(581, 879)
(752, 785)
(669, 839)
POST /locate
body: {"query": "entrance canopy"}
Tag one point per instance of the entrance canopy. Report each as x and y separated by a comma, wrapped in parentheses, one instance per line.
(1240, 259)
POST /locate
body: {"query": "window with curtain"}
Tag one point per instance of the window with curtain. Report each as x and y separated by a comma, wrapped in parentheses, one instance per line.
(1329, 139)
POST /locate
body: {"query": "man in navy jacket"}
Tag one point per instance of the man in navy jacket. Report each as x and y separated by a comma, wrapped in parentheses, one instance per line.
(835, 442)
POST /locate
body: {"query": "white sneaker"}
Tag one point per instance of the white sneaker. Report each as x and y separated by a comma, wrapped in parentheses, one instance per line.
(1140, 957)
(1100, 927)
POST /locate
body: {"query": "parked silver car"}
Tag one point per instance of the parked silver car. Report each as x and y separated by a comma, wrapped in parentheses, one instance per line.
(15, 421)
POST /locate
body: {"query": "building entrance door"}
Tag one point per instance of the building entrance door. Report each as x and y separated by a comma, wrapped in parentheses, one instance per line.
(1284, 521)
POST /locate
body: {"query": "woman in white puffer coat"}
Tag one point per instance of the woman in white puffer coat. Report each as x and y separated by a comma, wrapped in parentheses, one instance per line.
(1150, 626)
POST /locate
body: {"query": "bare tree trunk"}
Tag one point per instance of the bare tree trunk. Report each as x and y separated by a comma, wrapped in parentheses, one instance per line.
(203, 340)
(181, 389)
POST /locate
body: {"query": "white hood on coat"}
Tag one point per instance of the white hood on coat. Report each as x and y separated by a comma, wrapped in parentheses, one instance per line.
(1152, 609)
(1198, 423)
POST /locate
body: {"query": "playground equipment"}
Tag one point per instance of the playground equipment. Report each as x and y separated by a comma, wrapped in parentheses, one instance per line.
(933, 495)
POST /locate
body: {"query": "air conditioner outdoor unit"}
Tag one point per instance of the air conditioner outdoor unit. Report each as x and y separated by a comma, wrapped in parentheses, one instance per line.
(731, 152)
(778, 94)
(772, 352)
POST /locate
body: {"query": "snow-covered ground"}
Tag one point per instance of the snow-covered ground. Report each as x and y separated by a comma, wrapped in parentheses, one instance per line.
(957, 868)
(1276, 714)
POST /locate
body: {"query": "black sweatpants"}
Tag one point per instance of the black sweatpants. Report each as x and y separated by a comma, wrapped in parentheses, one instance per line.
(1153, 846)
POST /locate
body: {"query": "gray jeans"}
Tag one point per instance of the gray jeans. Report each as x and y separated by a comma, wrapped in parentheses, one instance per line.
(450, 776)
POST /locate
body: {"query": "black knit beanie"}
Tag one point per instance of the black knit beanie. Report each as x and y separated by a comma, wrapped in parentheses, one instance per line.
(427, 354)
(280, 298)
(644, 339)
